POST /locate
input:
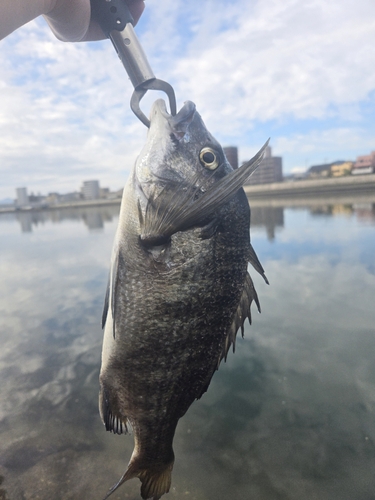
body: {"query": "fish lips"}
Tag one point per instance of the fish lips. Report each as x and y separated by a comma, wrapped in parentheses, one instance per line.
(178, 124)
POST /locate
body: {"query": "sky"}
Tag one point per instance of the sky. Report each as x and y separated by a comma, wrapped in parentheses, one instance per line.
(301, 73)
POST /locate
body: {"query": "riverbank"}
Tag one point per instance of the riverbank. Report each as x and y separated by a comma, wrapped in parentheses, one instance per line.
(59, 206)
(363, 185)
(329, 191)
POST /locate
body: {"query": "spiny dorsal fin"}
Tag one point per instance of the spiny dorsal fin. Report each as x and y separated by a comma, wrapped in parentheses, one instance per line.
(254, 261)
(249, 295)
(171, 212)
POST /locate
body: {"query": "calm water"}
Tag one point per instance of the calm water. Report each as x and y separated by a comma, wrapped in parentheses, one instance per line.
(290, 416)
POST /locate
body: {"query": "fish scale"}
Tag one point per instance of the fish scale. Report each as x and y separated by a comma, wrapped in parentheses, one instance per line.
(179, 288)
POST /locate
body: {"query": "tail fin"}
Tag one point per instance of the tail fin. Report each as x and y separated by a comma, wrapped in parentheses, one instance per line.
(155, 481)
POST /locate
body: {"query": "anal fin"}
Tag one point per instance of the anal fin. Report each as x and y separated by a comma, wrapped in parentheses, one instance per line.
(112, 420)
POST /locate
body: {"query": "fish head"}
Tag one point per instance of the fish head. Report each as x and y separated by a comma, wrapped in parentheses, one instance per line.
(182, 176)
(179, 149)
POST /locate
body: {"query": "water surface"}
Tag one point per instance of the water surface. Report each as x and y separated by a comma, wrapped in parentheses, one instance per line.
(291, 414)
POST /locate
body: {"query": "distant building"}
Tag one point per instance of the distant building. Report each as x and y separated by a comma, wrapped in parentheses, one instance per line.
(335, 169)
(231, 152)
(70, 197)
(340, 168)
(323, 170)
(53, 198)
(91, 190)
(270, 170)
(104, 193)
(22, 197)
(364, 164)
(117, 194)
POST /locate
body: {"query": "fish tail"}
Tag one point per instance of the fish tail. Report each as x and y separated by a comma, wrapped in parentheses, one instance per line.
(155, 481)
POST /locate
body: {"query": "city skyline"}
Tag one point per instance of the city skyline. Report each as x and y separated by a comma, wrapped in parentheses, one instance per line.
(296, 72)
(270, 161)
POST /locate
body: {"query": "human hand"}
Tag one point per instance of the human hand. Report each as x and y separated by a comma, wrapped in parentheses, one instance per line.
(68, 19)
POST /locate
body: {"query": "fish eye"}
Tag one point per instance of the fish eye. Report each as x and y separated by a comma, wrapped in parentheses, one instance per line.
(209, 158)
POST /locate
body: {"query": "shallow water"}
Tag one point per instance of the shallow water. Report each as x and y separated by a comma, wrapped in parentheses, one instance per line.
(291, 415)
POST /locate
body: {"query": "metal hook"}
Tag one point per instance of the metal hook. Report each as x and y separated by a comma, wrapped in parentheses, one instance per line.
(140, 91)
(116, 21)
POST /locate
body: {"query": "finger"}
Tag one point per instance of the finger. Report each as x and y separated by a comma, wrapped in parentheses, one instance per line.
(70, 20)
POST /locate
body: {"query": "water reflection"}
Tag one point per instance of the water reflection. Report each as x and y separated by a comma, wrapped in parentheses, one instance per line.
(263, 215)
(290, 416)
(363, 211)
(94, 218)
(268, 217)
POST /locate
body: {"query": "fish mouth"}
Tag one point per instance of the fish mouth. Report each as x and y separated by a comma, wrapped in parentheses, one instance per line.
(159, 107)
(178, 124)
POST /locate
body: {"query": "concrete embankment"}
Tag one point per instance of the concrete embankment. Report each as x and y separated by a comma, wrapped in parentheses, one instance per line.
(87, 203)
(59, 206)
(364, 184)
(340, 190)
(335, 190)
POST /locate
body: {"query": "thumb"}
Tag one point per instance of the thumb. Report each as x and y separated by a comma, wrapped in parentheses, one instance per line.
(69, 20)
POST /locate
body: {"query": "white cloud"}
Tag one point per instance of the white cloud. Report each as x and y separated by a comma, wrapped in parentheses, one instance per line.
(324, 146)
(64, 111)
(64, 117)
(279, 59)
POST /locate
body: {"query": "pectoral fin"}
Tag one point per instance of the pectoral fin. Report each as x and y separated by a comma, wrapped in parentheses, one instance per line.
(110, 295)
(106, 305)
(177, 210)
(113, 288)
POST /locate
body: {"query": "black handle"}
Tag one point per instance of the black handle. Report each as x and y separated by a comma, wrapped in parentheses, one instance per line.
(111, 15)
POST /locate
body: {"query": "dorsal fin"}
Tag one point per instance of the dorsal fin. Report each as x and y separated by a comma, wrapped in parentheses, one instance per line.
(249, 295)
(254, 261)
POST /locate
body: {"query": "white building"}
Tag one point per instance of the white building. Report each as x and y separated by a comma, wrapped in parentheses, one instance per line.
(91, 190)
(364, 164)
(22, 197)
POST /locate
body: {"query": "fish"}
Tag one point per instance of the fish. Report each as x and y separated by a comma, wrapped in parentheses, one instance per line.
(179, 288)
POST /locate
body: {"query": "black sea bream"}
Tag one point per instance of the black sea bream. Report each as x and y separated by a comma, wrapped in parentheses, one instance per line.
(178, 290)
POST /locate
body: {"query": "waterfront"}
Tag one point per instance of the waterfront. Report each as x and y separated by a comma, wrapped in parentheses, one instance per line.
(325, 190)
(291, 415)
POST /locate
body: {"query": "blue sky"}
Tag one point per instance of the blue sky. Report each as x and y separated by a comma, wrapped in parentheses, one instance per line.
(301, 73)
